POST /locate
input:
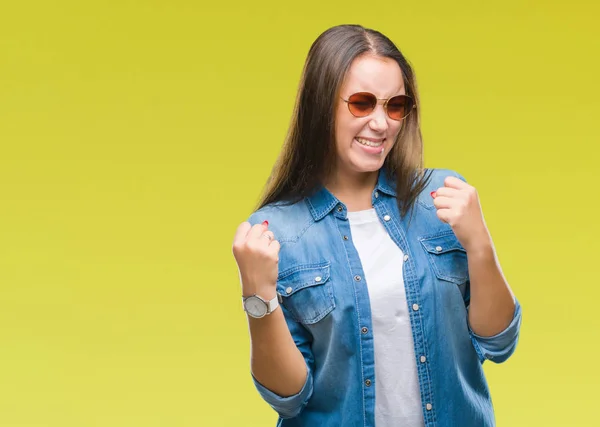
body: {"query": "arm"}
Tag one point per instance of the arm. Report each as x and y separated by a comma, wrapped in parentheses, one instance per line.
(282, 376)
(279, 370)
(276, 362)
(492, 302)
(494, 314)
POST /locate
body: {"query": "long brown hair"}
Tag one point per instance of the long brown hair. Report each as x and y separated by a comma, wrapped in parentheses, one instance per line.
(308, 154)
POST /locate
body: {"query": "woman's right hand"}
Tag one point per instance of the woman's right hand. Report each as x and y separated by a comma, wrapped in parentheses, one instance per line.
(257, 255)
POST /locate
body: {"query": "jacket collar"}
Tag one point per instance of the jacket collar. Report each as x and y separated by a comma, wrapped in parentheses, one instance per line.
(323, 201)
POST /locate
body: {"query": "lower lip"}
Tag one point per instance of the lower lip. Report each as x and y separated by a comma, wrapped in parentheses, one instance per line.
(370, 150)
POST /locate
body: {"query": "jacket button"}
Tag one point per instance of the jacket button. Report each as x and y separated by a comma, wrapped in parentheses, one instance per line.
(288, 290)
(386, 218)
(357, 278)
(438, 248)
(429, 407)
(345, 237)
(405, 257)
(318, 279)
(364, 330)
(368, 383)
(423, 359)
(339, 208)
(415, 307)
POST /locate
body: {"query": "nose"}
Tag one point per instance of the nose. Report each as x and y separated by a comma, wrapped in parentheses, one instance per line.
(378, 122)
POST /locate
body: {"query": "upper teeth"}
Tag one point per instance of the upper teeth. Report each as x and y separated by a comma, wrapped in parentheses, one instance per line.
(369, 143)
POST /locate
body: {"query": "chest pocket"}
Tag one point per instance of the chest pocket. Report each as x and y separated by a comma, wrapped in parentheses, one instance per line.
(307, 292)
(447, 257)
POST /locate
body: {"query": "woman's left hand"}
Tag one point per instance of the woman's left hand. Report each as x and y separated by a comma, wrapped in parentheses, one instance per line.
(457, 204)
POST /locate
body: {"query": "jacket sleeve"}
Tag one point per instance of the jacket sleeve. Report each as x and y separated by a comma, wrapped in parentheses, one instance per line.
(501, 346)
(291, 406)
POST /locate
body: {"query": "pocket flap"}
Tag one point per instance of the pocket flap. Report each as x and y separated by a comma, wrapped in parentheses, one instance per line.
(300, 277)
(441, 244)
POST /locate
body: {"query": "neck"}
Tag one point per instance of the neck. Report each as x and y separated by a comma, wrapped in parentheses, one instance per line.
(354, 190)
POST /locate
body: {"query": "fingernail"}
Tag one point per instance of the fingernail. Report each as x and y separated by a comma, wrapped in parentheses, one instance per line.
(266, 223)
(432, 194)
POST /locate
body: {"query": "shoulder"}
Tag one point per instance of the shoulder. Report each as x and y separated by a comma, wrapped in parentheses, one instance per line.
(439, 175)
(287, 221)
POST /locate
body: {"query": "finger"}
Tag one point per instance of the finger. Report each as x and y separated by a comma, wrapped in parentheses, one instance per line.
(268, 236)
(257, 230)
(444, 215)
(443, 202)
(454, 182)
(274, 248)
(447, 192)
(241, 232)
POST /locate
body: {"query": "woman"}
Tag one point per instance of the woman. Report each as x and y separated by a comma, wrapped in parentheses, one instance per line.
(371, 285)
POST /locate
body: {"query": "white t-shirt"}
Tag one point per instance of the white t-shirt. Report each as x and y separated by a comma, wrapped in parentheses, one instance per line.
(397, 397)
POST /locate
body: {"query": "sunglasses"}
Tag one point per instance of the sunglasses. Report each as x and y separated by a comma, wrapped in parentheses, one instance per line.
(363, 103)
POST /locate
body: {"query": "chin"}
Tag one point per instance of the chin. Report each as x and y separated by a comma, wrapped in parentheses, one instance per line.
(371, 167)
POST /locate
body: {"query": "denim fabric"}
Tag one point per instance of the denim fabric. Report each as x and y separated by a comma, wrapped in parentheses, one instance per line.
(326, 306)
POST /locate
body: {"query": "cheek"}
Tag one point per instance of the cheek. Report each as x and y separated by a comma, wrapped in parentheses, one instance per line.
(395, 127)
(346, 128)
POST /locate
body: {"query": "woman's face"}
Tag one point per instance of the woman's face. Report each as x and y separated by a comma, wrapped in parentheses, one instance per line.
(383, 78)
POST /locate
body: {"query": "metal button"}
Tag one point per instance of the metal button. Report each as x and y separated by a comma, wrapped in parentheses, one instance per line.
(438, 248)
(429, 407)
(364, 330)
(415, 307)
(368, 383)
(345, 237)
(288, 290)
(405, 257)
(386, 218)
(423, 359)
(376, 194)
(318, 279)
(357, 278)
(340, 208)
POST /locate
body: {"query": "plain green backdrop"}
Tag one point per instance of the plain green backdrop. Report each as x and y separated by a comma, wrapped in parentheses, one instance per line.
(136, 135)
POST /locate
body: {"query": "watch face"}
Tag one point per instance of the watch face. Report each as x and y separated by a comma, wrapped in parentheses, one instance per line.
(255, 307)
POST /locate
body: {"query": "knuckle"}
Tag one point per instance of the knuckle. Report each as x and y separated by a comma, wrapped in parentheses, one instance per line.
(238, 247)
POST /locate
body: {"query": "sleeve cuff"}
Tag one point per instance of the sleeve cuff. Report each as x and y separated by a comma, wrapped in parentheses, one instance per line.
(501, 346)
(290, 406)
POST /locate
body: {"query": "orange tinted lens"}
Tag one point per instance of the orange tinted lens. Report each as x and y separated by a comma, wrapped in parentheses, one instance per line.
(361, 104)
(399, 106)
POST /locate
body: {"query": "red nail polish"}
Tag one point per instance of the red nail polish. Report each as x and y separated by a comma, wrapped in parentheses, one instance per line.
(432, 194)
(265, 222)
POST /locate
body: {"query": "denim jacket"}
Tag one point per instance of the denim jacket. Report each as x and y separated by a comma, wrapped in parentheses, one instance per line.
(326, 306)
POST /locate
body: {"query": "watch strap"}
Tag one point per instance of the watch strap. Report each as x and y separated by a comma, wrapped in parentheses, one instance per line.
(273, 304)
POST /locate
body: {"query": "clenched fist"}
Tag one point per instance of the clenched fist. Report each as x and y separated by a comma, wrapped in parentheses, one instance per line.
(257, 255)
(457, 204)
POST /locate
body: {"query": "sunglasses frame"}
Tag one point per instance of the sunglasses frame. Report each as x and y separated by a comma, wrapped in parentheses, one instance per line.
(347, 101)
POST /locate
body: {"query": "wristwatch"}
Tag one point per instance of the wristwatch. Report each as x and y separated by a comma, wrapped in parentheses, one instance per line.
(257, 307)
